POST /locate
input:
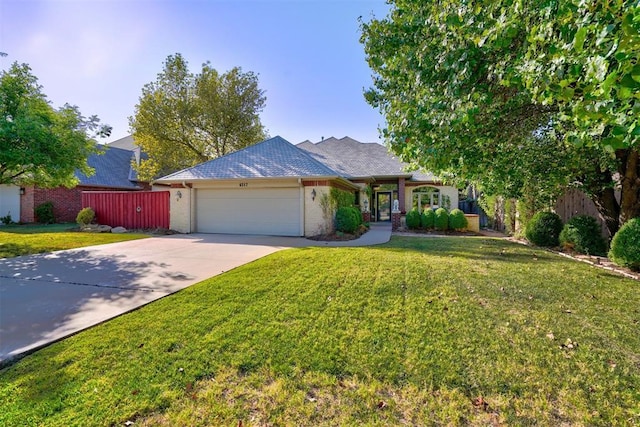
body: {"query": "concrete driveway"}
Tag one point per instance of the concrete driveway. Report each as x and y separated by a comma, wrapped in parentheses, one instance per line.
(46, 297)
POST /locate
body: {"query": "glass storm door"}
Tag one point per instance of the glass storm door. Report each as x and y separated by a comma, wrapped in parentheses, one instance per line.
(383, 203)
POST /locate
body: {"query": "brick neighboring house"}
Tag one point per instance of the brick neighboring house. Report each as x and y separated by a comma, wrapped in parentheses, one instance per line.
(113, 172)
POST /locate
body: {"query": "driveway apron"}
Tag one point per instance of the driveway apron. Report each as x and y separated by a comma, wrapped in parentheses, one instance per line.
(46, 297)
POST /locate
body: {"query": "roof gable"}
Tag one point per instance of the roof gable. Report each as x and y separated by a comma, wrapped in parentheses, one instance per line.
(272, 158)
(354, 159)
(112, 169)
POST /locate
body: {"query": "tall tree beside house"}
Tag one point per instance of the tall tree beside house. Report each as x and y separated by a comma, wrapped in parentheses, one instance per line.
(183, 119)
(495, 90)
(40, 144)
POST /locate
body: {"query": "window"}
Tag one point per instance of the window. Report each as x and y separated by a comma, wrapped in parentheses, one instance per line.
(425, 198)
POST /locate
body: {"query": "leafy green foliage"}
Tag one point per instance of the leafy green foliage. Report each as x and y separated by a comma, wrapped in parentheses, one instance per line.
(413, 219)
(348, 219)
(341, 198)
(582, 233)
(522, 97)
(457, 220)
(183, 119)
(625, 246)
(39, 144)
(44, 213)
(544, 229)
(441, 219)
(6, 220)
(427, 219)
(85, 216)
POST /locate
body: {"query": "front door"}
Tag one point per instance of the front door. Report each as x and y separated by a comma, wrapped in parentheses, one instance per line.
(383, 205)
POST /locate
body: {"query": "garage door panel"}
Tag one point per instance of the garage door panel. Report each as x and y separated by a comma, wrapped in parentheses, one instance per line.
(268, 211)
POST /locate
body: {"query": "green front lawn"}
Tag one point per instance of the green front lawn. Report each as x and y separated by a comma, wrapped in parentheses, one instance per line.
(17, 240)
(420, 331)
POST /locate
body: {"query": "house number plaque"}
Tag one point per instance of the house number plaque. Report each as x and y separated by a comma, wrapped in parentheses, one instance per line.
(244, 184)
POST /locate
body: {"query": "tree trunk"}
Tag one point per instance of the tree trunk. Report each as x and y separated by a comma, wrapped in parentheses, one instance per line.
(629, 170)
(609, 208)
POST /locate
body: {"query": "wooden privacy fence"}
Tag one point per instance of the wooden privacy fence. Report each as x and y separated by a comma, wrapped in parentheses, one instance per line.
(575, 202)
(134, 210)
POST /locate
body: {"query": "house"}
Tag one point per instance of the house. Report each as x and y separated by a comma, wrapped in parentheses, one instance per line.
(113, 172)
(277, 188)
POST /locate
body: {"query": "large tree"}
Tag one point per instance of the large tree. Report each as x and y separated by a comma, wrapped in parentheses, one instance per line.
(183, 119)
(38, 143)
(495, 90)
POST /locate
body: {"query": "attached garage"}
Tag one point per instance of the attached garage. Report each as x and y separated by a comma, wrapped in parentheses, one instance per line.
(271, 188)
(10, 201)
(266, 211)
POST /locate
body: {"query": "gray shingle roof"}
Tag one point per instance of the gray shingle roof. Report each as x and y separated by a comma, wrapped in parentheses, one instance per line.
(354, 159)
(112, 169)
(272, 158)
(125, 143)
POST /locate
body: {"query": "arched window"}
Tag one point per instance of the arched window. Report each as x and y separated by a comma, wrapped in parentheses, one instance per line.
(426, 198)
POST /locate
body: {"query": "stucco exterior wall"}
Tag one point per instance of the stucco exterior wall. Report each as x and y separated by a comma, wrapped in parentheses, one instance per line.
(314, 219)
(180, 209)
(445, 190)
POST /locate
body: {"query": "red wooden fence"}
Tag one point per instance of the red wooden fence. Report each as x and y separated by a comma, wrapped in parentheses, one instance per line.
(134, 210)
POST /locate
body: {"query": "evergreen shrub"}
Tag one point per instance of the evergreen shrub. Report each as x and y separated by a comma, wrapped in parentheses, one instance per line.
(625, 246)
(544, 229)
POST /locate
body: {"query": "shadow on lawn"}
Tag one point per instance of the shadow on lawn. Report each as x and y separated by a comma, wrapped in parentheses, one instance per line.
(44, 298)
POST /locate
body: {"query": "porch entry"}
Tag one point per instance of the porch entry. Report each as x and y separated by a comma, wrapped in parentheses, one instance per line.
(383, 205)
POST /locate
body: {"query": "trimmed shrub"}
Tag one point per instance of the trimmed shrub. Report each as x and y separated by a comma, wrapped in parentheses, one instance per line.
(543, 229)
(413, 219)
(85, 216)
(457, 220)
(427, 219)
(44, 213)
(441, 219)
(582, 234)
(348, 219)
(625, 246)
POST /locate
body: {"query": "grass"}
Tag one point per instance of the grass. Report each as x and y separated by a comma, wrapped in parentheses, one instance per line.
(17, 240)
(421, 331)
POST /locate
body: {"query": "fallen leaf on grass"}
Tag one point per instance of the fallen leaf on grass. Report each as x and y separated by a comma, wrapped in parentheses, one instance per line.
(551, 336)
(382, 404)
(480, 403)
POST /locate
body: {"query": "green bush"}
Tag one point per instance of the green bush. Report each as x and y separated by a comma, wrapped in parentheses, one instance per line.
(625, 246)
(457, 220)
(427, 219)
(85, 216)
(413, 219)
(582, 233)
(348, 219)
(543, 229)
(44, 213)
(441, 219)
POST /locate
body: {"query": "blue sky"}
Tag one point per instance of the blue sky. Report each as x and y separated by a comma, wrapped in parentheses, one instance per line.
(98, 54)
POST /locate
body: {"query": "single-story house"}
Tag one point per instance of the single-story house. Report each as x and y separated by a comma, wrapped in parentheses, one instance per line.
(113, 172)
(277, 188)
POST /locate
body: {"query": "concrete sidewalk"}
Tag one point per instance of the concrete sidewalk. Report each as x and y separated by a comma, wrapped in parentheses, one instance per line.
(46, 297)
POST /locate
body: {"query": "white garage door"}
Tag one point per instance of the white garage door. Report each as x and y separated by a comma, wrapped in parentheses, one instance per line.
(10, 202)
(268, 211)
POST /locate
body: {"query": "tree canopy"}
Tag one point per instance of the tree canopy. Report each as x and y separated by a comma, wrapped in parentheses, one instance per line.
(514, 94)
(39, 144)
(183, 119)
